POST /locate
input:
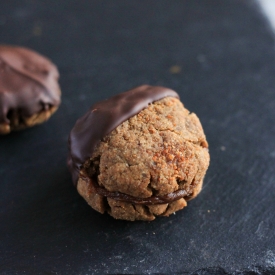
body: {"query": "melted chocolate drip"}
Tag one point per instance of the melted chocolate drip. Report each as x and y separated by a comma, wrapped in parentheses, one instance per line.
(130, 199)
(28, 82)
(104, 117)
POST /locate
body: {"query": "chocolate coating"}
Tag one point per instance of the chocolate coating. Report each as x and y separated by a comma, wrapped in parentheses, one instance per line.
(28, 82)
(104, 117)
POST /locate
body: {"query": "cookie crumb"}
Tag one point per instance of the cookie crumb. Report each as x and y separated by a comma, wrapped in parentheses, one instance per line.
(37, 30)
(175, 69)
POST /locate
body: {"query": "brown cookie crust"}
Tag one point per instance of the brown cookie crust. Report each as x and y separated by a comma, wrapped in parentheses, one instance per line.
(160, 150)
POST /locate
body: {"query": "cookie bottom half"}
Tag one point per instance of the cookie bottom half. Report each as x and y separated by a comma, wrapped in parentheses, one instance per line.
(126, 210)
(18, 122)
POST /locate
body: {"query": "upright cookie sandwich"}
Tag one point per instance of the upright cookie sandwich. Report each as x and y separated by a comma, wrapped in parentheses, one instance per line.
(139, 154)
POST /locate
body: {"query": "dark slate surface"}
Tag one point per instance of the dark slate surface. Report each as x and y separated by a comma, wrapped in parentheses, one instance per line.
(225, 50)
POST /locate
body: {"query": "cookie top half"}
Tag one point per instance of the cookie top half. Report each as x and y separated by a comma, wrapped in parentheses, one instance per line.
(28, 83)
(105, 116)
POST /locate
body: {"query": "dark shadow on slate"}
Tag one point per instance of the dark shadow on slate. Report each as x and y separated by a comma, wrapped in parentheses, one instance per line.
(226, 53)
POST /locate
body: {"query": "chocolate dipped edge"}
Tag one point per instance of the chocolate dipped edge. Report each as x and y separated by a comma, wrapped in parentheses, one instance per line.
(105, 116)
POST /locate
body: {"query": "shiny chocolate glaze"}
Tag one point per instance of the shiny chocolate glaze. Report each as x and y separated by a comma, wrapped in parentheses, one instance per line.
(28, 82)
(104, 117)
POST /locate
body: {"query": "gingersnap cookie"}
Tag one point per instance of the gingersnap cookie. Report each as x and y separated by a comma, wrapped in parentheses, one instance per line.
(139, 154)
(29, 90)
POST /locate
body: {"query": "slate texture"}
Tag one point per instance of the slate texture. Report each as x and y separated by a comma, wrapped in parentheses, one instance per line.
(220, 57)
